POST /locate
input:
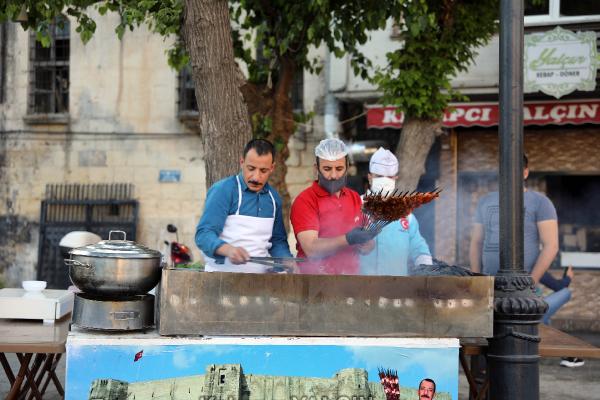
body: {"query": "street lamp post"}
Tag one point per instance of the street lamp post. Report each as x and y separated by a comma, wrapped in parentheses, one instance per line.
(513, 352)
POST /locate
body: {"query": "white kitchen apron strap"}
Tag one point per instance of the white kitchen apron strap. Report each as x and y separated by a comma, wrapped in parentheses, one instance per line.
(252, 233)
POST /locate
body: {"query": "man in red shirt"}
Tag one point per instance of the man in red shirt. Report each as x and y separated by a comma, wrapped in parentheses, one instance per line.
(327, 216)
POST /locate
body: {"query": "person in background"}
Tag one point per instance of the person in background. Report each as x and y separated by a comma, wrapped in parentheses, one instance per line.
(400, 240)
(242, 216)
(426, 389)
(540, 225)
(326, 217)
(540, 231)
(561, 294)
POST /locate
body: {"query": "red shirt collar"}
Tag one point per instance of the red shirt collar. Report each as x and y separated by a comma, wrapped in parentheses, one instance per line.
(324, 193)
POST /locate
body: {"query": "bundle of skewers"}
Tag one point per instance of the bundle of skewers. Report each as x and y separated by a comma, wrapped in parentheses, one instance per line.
(389, 381)
(380, 209)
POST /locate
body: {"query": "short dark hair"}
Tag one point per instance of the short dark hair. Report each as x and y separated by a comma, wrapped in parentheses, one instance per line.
(261, 146)
(525, 161)
(428, 380)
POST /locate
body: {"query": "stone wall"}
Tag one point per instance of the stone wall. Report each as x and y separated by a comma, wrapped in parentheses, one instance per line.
(557, 149)
(301, 171)
(122, 127)
(445, 205)
(91, 160)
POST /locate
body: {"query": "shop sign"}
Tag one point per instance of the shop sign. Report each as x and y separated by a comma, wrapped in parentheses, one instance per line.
(559, 62)
(487, 114)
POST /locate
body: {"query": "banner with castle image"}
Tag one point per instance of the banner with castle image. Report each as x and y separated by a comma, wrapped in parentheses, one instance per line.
(129, 368)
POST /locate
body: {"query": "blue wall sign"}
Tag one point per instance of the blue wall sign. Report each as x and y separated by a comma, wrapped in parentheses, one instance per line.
(169, 175)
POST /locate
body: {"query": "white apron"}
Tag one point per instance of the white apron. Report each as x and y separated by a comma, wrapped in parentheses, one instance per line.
(252, 233)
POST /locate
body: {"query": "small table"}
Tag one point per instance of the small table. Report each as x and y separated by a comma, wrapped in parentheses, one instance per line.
(44, 343)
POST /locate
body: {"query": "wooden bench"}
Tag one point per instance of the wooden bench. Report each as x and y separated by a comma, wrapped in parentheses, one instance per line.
(553, 343)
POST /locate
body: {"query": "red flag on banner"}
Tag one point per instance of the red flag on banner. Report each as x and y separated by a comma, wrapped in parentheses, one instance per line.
(138, 355)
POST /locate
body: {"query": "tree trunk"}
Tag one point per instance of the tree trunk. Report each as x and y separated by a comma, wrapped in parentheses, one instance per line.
(416, 139)
(223, 114)
(282, 116)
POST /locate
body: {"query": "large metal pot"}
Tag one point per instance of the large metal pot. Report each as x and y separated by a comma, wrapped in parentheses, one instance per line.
(114, 268)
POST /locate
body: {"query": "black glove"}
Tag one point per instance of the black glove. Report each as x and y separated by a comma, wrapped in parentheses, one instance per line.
(359, 236)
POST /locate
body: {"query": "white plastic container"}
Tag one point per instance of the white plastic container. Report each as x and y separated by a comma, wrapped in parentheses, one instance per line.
(48, 305)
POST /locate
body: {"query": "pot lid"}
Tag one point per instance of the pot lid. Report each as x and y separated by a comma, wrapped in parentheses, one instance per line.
(116, 249)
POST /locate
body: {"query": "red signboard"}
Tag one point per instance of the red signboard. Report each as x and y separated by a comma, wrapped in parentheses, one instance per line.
(487, 114)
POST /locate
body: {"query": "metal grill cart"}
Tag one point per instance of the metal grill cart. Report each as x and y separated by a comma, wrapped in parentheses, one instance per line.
(278, 336)
(193, 303)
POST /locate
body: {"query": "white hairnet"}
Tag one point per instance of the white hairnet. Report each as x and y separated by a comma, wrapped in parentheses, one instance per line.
(331, 149)
(383, 162)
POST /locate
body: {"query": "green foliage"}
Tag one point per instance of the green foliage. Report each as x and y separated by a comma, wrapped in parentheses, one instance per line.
(196, 265)
(302, 117)
(440, 39)
(262, 125)
(283, 29)
(163, 17)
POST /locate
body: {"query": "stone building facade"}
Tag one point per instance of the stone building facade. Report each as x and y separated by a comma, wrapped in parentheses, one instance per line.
(229, 382)
(110, 111)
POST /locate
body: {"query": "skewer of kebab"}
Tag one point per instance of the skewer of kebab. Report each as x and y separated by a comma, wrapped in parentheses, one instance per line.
(380, 209)
(389, 381)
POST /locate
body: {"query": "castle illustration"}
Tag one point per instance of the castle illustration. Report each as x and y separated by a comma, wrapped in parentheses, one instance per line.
(229, 382)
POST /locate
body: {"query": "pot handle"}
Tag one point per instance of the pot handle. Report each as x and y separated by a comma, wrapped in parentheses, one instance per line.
(123, 232)
(74, 263)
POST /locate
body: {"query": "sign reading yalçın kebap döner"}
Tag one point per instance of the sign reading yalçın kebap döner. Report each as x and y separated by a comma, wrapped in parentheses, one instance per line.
(559, 62)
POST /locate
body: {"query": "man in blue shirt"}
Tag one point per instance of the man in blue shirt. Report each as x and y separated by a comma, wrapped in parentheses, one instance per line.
(399, 241)
(242, 216)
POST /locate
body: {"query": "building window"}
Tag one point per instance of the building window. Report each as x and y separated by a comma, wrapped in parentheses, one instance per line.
(49, 73)
(297, 96)
(187, 95)
(537, 7)
(297, 92)
(576, 8)
(549, 12)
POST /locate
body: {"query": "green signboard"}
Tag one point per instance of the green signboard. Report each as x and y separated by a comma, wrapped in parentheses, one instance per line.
(559, 62)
